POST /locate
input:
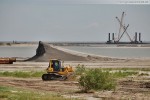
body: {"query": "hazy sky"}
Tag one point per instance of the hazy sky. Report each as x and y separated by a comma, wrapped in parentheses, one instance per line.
(48, 20)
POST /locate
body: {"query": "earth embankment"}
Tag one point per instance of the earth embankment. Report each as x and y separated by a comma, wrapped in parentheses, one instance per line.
(45, 52)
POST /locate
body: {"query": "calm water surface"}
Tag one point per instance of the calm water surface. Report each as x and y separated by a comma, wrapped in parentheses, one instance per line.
(16, 51)
(29, 51)
(124, 52)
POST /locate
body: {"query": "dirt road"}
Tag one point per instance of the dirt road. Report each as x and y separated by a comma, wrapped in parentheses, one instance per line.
(41, 66)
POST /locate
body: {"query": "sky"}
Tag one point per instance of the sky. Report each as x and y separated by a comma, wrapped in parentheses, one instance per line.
(58, 21)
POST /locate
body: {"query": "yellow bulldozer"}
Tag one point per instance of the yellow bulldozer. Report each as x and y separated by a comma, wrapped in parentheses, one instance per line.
(56, 71)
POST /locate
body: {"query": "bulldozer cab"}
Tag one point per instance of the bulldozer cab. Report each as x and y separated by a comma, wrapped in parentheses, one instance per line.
(55, 65)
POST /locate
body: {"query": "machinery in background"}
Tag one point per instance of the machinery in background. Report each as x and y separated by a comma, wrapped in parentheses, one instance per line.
(123, 30)
(7, 60)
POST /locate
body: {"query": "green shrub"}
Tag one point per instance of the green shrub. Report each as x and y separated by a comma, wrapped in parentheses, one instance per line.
(96, 79)
(80, 69)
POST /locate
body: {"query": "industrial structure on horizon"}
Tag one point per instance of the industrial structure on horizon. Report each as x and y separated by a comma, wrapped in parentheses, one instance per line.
(123, 30)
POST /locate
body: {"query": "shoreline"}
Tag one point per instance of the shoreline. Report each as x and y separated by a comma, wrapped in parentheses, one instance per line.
(94, 55)
(90, 44)
(82, 45)
(73, 52)
(18, 45)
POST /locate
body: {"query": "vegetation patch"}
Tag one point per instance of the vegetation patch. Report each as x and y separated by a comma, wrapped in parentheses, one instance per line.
(115, 72)
(22, 74)
(96, 79)
(80, 69)
(100, 78)
(10, 93)
(127, 69)
(121, 74)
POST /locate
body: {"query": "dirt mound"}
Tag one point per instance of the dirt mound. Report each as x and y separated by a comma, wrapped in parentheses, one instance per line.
(45, 52)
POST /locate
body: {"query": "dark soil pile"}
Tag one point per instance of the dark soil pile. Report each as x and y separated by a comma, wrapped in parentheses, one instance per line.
(45, 52)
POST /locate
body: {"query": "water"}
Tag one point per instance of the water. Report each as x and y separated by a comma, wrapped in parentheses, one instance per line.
(123, 52)
(17, 51)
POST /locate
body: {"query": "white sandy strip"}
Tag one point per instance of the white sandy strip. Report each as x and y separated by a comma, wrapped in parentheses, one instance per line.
(41, 66)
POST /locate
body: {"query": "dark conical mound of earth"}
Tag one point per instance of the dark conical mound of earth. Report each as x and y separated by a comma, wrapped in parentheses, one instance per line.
(45, 52)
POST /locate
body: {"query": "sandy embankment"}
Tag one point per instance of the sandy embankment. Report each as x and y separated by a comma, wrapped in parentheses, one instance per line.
(45, 52)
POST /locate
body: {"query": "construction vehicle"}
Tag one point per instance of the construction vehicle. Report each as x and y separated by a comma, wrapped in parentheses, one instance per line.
(56, 71)
(7, 60)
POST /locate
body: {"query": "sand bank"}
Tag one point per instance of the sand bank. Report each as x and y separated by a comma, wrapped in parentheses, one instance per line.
(47, 51)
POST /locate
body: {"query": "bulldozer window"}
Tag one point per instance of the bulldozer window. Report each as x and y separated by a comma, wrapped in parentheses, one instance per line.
(56, 63)
(56, 66)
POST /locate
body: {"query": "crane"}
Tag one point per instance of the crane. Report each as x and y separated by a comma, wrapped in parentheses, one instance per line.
(124, 28)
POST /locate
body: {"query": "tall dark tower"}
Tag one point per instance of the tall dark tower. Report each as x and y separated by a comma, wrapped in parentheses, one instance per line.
(113, 36)
(108, 36)
(139, 37)
(135, 37)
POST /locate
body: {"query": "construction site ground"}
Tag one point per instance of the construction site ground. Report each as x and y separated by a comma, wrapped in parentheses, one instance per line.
(129, 88)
